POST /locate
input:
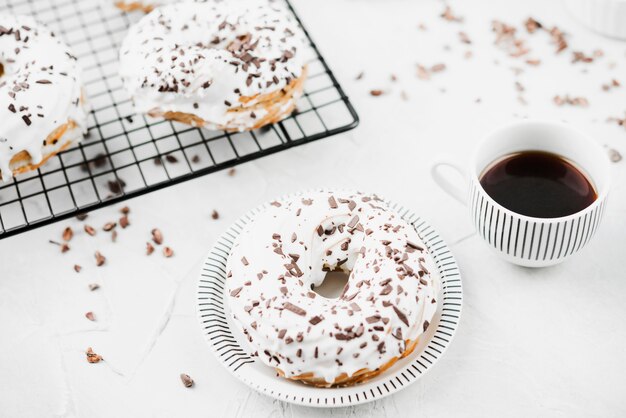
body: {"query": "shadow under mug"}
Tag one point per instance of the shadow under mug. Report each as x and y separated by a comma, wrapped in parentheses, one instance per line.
(524, 240)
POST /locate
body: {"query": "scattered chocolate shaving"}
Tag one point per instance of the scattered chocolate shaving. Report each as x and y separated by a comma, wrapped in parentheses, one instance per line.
(149, 248)
(90, 230)
(426, 324)
(376, 92)
(124, 222)
(422, 73)
(94, 286)
(93, 357)
(215, 215)
(68, 234)
(77, 268)
(116, 186)
(109, 226)
(232, 172)
(81, 216)
(611, 85)
(464, 38)
(437, 68)
(558, 38)
(100, 259)
(157, 236)
(573, 101)
(578, 56)
(507, 40)
(187, 380)
(449, 16)
(89, 315)
(532, 25)
(620, 121)
(168, 252)
(125, 210)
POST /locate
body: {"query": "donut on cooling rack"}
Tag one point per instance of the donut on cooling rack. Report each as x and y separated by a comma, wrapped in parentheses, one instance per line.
(232, 66)
(387, 304)
(41, 104)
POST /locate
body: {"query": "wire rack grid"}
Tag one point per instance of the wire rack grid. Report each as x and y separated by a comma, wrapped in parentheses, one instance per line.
(126, 155)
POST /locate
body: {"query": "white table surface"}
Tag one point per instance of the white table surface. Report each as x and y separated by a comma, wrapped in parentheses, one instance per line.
(546, 342)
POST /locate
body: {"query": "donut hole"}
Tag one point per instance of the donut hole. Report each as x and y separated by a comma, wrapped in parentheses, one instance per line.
(332, 286)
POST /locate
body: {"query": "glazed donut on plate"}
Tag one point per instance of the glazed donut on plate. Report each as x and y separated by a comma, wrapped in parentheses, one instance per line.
(387, 304)
(41, 103)
(231, 66)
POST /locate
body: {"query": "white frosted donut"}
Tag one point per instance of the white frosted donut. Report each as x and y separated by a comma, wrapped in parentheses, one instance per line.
(41, 105)
(387, 303)
(223, 65)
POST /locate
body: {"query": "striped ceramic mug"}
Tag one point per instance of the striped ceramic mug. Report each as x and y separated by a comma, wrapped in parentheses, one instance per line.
(520, 239)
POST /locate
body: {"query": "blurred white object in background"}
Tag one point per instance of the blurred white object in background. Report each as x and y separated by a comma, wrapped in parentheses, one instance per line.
(607, 17)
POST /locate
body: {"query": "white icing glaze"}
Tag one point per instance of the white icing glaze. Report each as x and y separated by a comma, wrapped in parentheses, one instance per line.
(39, 91)
(390, 296)
(177, 59)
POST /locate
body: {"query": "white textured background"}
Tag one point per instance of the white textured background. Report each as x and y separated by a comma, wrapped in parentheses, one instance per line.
(544, 342)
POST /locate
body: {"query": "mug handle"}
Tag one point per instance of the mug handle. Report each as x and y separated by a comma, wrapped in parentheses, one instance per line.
(452, 189)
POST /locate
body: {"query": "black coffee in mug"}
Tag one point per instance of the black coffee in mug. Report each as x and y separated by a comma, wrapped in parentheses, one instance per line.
(538, 184)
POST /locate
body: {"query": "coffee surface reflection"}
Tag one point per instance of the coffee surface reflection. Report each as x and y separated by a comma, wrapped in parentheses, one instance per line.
(538, 184)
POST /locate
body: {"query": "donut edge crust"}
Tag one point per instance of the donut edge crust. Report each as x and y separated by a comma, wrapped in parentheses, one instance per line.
(272, 102)
(360, 376)
(131, 6)
(22, 161)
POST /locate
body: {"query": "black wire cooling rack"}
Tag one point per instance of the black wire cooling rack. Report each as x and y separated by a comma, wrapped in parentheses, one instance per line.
(126, 155)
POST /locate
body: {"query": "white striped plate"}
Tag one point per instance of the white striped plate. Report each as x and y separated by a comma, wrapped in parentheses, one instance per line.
(232, 350)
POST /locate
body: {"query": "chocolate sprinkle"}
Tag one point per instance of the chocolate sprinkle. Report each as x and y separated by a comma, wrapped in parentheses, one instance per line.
(293, 308)
(401, 315)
